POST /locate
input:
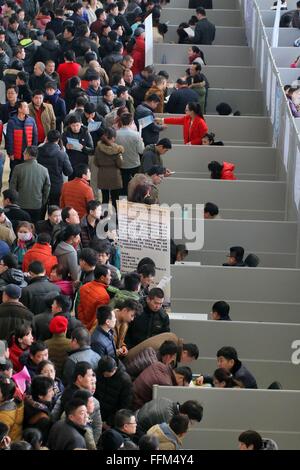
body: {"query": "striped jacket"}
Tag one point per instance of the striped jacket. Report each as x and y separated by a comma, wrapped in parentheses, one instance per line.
(19, 135)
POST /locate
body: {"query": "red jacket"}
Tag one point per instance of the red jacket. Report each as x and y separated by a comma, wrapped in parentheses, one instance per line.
(15, 352)
(227, 172)
(65, 71)
(76, 193)
(191, 133)
(42, 253)
(138, 54)
(92, 295)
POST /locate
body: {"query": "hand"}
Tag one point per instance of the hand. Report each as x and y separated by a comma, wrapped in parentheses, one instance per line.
(164, 126)
(159, 121)
(5, 443)
(11, 157)
(199, 380)
(188, 143)
(167, 172)
(124, 351)
(69, 146)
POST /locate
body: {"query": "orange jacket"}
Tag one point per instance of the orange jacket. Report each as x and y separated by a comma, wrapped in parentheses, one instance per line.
(76, 193)
(42, 253)
(92, 295)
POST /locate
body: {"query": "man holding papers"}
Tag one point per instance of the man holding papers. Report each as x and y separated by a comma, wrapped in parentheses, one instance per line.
(145, 120)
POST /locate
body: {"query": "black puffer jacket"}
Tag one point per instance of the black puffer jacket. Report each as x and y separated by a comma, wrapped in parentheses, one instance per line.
(12, 315)
(12, 276)
(159, 410)
(57, 163)
(37, 415)
(84, 137)
(114, 393)
(48, 50)
(36, 294)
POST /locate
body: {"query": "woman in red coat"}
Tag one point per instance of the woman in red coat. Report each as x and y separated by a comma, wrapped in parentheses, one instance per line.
(194, 125)
(222, 171)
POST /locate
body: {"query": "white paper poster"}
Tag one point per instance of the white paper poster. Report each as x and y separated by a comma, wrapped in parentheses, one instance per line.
(148, 41)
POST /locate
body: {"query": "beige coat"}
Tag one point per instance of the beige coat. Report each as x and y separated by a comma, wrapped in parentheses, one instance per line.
(48, 116)
(108, 159)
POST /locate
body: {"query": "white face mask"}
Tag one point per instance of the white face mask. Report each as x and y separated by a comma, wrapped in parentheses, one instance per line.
(24, 237)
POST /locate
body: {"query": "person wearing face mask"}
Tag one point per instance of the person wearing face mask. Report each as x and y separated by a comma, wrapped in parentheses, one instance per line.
(25, 240)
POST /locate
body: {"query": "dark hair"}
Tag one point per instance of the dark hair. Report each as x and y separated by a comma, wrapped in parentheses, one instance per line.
(192, 349)
(146, 270)
(20, 445)
(52, 209)
(43, 238)
(222, 375)
(179, 424)
(251, 438)
(210, 137)
(201, 11)
(81, 169)
(26, 224)
(153, 97)
(83, 394)
(100, 270)
(82, 336)
(11, 194)
(40, 385)
(65, 213)
(36, 347)
(21, 330)
(104, 313)
(216, 170)
(108, 134)
(126, 119)
(71, 230)
(10, 261)
(99, 12)
(130, 304)
(70, 28)
(72, 405)
(148, 443)
(193, 409)
(222, 308)
(164, 74)
(36, 267)
(4, 430)
(81, 369)
(105, 90)
(64, 302)
(49, 34)
(37, 93)
(61, 271)
(89, 256)
(168, 348)
(145, 261)
(122, 417)
(228, 352)
(33, 436)
(211, 208)
(165, 143)
(224, 109)
(132, 281)
(53, 136)
(69, 55)
(156, 292)
(32, 150)
(42, 364)
(74, 118)
(7, 388)
(22, 76)
(185, 372)
(196, 108)
(92, 205)
(140, 194)
(237, 252)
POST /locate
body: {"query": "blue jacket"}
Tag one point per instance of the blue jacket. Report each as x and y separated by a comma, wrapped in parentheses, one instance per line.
(103, 343)
(59, 107)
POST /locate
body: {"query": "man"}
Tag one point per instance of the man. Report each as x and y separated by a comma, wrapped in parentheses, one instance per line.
(24, 93)
(199, 83)
(68, 434)
(78, 141)
(57, 162)
(6, 231)
(69, 216)
(39, 78)
(104, 250)
(205, 31)
(94, 90)
(250, 440)
(114, 57)
(170, 435)
(227, 358)
(102, 340)
(120, 67)
(37, 353)
(123, 94)
(147, 273)
(96, 26)
(89, 222)
(59, 106)
(54, 218)
(12, 210)
(235, 257)
(158, 374)
(93, 295)
(56, 24)
(161, 410)
(9, 109)
(77, 17)
(6, 46)
(220, 311)
(34, 296)
(153, 153)
(105, 105)
(61, 306)
(131, 287)
(133, 146)
(158, 87)
(21, 132)
(211, 211)
(296, 17)
(31, 174)
(66, 42)
(156, 174)
(78, 192)
(43, 115)
(4, 60)
(125, 314)
(113, 389)
(58, 346)
(152, 321)
(12, 312)
(150, 133)
(87, 262)
(80, 351)
(180, 97)
(125, 424)
(40, 251)
(12, 32)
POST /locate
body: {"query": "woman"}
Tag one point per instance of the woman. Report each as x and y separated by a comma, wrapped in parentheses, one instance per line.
(66, 250)
(222, 171)
(224, 379)
(47, 369)
(25, 240)
(209, 139)
(20, 342)
(142, 194)
(196, 55)
(108, 159)
(117, 122)
(11, 410)
(293, 97)
(194, 125)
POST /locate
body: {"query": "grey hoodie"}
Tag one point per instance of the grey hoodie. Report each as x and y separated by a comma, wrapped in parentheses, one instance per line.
(67, 256)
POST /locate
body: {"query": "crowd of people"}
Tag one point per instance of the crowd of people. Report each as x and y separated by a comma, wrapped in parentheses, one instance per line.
(81, 343)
